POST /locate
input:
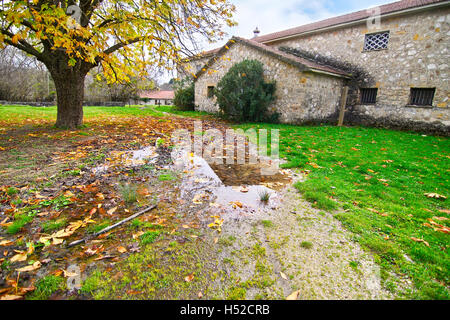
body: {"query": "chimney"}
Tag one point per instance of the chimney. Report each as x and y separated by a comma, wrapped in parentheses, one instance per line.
(256, 32)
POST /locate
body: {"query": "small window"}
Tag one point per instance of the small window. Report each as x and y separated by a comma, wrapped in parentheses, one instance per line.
(210, 93)
(376, 41)
(422, 96)
(368, 95)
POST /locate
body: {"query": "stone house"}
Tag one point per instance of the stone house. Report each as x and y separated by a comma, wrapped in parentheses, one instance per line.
(163, 97)
(393, 59)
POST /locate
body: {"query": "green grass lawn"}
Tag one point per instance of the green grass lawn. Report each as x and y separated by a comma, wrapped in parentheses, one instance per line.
(376, 179)
(174, 110)
(18, 114)
(373, 180)
(24, 114)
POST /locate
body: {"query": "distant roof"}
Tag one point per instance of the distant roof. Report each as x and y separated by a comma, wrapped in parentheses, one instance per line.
(163, 95)
(302, 63)
(347, 18)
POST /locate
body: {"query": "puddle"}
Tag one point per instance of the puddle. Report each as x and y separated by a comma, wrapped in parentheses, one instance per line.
(147, 155)
(228, 195)
(250, 174)
(231, 190)
(142, 156)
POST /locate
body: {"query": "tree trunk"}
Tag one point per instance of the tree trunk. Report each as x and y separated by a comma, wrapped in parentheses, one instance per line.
(70, 94)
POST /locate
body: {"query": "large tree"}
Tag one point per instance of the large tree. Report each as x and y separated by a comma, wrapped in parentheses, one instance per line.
(123, 37)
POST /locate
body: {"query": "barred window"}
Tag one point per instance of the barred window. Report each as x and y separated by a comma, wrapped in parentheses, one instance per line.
(422, 96)
(210, 93)
(368, 95)
(376, 41)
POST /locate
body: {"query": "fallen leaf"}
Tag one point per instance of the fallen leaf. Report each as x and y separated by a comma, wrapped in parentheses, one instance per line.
(243, 189)
(6, 243)
(445, 211)
(420, 240)
(189, 278)
(33, 267)
(435, 195)
(132, 292)
(69, 274)
(200, 295)
(236, 204)
(111, 211)
(10, 297)
(138, 234)
(294, 295)
(121, 249)
(21, 256)
(283, 275)
(440, 218)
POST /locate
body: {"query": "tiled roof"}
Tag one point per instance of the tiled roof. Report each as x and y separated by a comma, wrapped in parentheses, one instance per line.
(301, 63)
(163, 95)
(347, 18)
(335, 21)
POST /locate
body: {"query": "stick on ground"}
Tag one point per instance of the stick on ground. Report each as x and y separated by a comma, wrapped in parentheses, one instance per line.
(95, 235)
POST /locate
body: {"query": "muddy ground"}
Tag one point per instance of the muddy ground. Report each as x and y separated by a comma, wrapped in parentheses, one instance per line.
(211, 236)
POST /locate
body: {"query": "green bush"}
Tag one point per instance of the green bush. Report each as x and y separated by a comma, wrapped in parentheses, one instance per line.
(185, 97)
(243, 95)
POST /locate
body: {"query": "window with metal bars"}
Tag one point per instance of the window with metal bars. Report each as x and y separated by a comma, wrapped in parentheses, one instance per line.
(368, 95)
(210, 93)
(376, 41)
(422, 96)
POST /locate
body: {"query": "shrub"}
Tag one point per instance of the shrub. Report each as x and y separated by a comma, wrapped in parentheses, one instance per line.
(243, 95)
(185, 96)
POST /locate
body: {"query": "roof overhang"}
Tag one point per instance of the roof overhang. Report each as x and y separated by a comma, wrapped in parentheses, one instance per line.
(295, 61)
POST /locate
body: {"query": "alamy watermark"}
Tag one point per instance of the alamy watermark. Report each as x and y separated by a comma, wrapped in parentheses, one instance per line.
(232, 147)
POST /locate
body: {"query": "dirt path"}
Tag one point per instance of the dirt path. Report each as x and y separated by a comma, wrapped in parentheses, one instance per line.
(306, 246)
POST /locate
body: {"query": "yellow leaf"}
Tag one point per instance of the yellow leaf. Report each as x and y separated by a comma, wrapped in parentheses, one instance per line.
(6, 243)
(15, 38)
(121, 249)
(294, 295)
(283, 275)
(33, 267)
(19, 257)
(69, 274)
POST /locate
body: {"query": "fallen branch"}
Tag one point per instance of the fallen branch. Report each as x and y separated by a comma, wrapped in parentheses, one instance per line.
(95, 235)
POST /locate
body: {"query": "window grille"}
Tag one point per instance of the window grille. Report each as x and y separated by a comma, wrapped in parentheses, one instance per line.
(422, 96)
(376, 41)
(210, 92)
(368, 95)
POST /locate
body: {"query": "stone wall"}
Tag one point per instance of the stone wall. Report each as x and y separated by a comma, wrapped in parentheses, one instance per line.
(301, 97)
(417, 56)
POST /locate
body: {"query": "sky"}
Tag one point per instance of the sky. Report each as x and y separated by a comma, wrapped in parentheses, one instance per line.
(276, 15)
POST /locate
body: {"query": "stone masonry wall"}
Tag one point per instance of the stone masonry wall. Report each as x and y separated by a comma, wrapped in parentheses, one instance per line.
(417, 56)
(302, 97)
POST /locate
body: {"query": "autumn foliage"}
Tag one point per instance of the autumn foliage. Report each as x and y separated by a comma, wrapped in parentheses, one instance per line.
(120, 37)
